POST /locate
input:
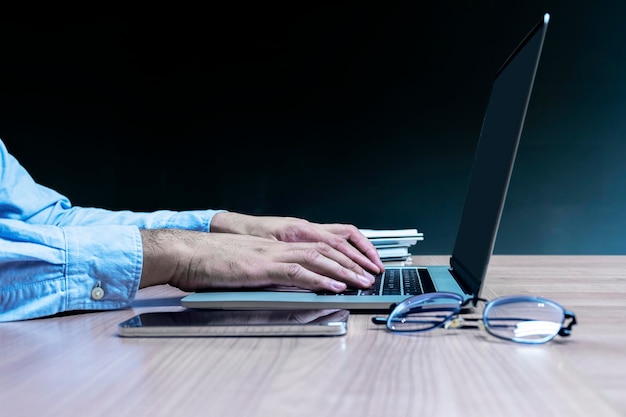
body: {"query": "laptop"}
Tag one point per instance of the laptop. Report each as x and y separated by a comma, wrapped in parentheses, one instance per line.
(489, 179)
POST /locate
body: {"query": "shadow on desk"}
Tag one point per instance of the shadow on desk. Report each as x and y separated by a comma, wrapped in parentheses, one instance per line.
(157, 302)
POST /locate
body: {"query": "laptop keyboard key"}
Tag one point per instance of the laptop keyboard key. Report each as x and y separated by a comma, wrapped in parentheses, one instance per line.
(410, 282)
(391, 284)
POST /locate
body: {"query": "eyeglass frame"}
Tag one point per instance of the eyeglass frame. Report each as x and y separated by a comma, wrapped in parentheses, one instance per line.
(451, 319)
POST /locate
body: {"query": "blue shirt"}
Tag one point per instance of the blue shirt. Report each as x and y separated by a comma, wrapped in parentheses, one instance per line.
(55, 257)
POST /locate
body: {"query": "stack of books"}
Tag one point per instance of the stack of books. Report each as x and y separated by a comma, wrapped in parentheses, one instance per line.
(393, 244)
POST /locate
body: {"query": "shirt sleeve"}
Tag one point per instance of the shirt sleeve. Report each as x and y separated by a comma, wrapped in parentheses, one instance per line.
(55, 257)
(50, 269)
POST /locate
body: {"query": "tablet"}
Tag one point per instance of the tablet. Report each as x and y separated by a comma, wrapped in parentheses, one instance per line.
(197, 323)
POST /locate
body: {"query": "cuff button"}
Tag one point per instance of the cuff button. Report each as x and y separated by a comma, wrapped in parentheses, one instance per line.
(97, 293)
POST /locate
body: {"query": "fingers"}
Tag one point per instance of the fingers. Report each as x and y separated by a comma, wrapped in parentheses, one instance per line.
(297, 275)
(318, 266)
(365, 256)
(345, 238)
(349, 240)
(366, 247)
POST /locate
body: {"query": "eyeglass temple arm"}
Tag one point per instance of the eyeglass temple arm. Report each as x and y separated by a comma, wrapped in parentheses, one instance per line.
(566, 331)
(383, 320)
(379, 320)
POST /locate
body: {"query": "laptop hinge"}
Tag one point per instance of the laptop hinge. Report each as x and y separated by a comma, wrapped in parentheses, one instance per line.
(468, 284)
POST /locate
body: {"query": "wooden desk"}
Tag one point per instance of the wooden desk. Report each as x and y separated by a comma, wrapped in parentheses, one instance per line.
(78, 366)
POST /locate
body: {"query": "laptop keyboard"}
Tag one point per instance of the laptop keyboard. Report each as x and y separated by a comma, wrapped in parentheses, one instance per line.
(396, 281)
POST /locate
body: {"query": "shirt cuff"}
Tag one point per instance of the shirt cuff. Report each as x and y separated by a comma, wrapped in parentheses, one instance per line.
(104, 266)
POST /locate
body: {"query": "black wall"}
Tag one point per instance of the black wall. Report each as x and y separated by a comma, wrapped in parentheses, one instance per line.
(358, 112)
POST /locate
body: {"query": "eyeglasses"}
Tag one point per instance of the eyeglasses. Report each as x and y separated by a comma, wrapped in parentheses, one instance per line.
(523, 319)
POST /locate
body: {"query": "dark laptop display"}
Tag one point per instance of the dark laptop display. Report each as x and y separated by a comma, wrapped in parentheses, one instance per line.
(494, 159)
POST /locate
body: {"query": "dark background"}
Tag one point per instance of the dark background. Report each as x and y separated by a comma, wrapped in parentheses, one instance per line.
(358, 112)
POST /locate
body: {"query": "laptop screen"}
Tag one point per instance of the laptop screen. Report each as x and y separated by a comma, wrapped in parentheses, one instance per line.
(494, 158)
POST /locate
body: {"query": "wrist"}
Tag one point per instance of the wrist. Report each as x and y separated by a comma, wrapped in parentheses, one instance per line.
(160, 247)
(228, 222)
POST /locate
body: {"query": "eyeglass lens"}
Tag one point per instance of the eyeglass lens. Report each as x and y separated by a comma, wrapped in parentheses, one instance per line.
(523, 319)
(424, 312)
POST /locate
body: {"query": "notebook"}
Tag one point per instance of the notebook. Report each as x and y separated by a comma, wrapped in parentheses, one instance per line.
(484, 200)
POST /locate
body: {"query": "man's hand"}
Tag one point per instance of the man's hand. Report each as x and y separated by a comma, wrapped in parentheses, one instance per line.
(345, 238)
(192, 260)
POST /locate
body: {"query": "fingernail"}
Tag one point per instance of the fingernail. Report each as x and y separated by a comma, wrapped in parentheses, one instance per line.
(338, 286)
(366, 280)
